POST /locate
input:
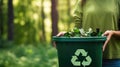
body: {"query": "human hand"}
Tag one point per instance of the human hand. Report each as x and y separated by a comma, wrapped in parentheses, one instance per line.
(109, 34)
(60, 34)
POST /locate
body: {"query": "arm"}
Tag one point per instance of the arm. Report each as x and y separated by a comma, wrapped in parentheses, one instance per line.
(116, 33)
(110, 34)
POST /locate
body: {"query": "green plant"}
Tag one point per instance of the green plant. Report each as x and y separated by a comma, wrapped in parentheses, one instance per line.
(76, 32)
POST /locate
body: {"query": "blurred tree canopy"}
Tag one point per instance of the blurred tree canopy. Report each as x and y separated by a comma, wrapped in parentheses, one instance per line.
(33, 21)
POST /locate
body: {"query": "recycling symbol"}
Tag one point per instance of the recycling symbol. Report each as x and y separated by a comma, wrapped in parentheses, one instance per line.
(86, 62)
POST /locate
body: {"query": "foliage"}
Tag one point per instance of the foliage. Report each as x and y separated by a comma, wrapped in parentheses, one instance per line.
(76, 32)
(28, 19)
(29, 56)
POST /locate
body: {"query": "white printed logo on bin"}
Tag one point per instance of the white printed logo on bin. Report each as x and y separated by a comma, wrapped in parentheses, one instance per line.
(87, 60)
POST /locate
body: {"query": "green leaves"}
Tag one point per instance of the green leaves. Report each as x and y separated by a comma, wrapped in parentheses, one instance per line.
(73, 33)
(29, 56)
(76, 32)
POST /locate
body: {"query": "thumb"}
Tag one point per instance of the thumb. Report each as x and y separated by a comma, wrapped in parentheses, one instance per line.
(105, 44)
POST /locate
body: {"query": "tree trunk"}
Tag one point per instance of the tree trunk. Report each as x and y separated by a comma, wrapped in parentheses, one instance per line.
(10, 20)
(1, 18)
(43, 24)
(54, 15)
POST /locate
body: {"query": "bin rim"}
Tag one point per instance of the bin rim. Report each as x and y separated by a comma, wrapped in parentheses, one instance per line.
(79, 39)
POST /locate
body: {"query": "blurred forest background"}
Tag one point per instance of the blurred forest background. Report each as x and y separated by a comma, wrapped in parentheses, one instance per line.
(26, 30)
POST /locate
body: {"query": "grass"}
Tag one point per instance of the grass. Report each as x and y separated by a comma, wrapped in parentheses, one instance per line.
(28, 56)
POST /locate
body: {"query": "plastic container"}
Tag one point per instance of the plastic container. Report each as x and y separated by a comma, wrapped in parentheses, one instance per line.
(79, 51)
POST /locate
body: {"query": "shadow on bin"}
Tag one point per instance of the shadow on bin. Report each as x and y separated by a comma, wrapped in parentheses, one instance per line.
(79, 51)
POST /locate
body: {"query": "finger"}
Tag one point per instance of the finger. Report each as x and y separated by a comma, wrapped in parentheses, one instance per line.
(60, 34)
(106, 33)
(105, 44)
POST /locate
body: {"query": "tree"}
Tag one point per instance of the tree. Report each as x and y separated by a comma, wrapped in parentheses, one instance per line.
(10, 20)
(54, 16)
(1, 18)
(43, 37)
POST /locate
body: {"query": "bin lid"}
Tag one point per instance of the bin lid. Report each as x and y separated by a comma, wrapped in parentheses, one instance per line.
(79, 39)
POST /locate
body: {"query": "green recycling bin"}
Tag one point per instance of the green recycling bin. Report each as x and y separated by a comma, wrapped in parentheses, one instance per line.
(79, 51)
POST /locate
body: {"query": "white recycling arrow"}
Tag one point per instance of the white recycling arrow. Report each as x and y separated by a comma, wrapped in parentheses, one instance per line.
(82, 51)
(87, 61)
(74, 62)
